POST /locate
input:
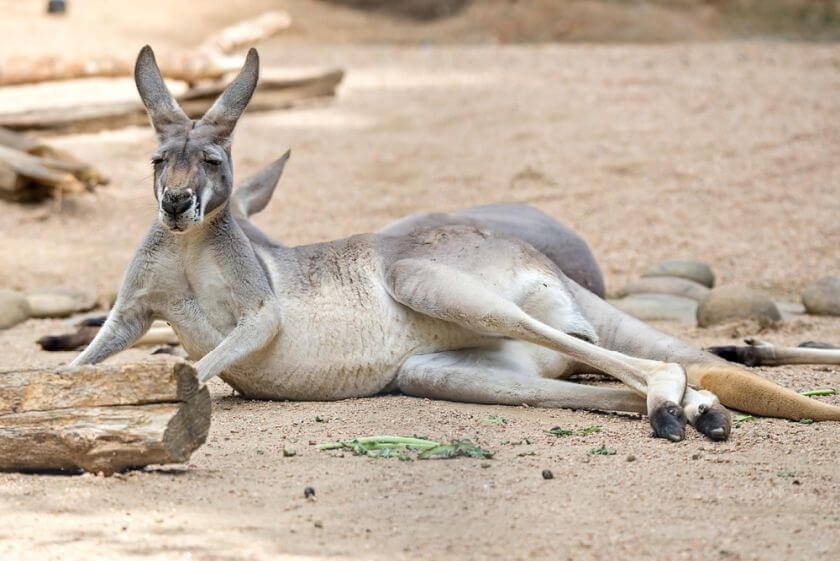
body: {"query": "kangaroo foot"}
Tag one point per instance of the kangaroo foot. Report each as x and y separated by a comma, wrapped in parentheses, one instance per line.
(668, 421)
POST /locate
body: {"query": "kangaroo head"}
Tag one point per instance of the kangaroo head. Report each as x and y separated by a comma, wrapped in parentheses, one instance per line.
(193, 167)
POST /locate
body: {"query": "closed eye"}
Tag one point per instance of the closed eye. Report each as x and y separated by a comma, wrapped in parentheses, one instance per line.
(157, 160)
(212, 162)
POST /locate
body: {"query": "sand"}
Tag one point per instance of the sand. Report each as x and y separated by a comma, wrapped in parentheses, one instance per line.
(724, 151)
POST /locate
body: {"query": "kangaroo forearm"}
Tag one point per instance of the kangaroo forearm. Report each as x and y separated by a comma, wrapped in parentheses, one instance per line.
(248, 337)
(116, 335)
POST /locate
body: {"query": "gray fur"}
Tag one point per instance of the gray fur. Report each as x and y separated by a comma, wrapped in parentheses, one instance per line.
(362, 315)
(164, 112)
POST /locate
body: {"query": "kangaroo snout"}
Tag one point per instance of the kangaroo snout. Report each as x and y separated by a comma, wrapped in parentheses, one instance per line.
(174, 203)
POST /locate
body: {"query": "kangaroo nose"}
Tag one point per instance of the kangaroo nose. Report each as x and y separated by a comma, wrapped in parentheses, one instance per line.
(174, 203)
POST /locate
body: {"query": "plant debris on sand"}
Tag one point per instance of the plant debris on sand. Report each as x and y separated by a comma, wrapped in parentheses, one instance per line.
(386, 446)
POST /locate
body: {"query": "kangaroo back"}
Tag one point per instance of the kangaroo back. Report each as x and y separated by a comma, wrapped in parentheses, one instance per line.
(735, 386)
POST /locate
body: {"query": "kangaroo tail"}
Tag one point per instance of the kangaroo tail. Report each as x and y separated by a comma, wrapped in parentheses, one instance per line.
(741, 389)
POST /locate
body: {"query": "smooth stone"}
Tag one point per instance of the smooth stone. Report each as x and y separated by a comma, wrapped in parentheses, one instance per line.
(59, 303)
(650, 307)
(675, 286)
(823, 297)
(736, 302)
(790, 310)
(13, 308)
(690, 269)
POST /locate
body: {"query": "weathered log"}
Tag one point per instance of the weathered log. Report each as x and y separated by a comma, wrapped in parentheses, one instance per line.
(271, 94)
(203, 62)
(30, 169)
(761, 353)
(104, 418)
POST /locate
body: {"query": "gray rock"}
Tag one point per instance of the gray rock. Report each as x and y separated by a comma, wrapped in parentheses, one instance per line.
(735, 302)
(650, 307)
(823, 297)
(675, 286)
(689, 269)
(59, 303)
(790, 310)
(13, 308)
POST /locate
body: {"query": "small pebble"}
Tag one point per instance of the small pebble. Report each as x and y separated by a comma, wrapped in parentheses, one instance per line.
(319, 524)
(308, 492)
(485, 465)
(735, 302)
(690, 269)
(823, 297)
(695, 456)
(546, 473)
(631, 458)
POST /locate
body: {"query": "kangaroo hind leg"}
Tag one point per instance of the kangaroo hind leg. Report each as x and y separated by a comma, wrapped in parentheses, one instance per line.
(453, 295)
(493, 377)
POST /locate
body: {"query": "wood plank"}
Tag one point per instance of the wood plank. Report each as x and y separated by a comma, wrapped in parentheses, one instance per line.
(104, 418)
(158, 380)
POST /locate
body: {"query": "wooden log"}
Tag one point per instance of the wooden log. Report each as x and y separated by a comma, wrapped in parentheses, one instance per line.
(104, 418)
(30, 169)
(206, 61)
(271, 93)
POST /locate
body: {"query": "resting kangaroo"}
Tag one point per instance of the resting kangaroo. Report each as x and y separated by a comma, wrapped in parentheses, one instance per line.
(453, 312)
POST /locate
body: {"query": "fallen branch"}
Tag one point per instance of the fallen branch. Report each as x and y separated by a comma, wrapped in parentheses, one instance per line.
(104, 418)
(203, 62)
(159, 334)
(271, 94)
(761, 353)
(30, 169)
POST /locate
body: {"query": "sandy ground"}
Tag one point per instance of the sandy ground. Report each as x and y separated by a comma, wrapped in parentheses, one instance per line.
(728, 152)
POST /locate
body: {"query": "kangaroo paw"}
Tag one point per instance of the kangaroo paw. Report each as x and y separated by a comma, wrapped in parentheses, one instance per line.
(713, 421)
(707, 415)
(668, 421)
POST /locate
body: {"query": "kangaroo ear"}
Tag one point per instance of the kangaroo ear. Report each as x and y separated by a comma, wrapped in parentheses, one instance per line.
(162, 108)
(227, 109)
(254, 193)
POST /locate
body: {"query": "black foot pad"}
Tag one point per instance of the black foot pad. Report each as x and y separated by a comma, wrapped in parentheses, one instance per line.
(715, 422)
(668, 421)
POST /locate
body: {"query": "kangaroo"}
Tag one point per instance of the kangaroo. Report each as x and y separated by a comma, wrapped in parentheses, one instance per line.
(452, 312)
(571, 254)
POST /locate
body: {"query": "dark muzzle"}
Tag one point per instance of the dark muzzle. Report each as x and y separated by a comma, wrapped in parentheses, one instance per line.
(176, 202)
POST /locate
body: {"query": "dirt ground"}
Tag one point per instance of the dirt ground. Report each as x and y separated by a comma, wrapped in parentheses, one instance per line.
(724, 151)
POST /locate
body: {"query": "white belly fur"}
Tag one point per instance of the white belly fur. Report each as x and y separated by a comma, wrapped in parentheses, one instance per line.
(340, 341)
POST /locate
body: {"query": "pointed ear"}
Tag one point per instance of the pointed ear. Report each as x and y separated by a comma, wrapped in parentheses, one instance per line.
(163, 110)
(254, 193)
(227, 109)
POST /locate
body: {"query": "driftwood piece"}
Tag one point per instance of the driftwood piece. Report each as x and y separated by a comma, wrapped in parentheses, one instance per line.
(205, 61)
(30, 169)
(761, 353)
(271, 93)
(104, 418)
(159, 334)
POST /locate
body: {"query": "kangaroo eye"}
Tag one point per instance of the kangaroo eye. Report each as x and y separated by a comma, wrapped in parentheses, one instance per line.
(156, 161)
(213, 163)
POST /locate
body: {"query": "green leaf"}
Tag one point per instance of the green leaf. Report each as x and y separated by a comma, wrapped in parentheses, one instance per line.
(821, 391)
(495, 420)
(786, 473)
(806, 421)
(743, 418)
(387, 446)
(557, 431)
(603, 451)
(288, 452)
